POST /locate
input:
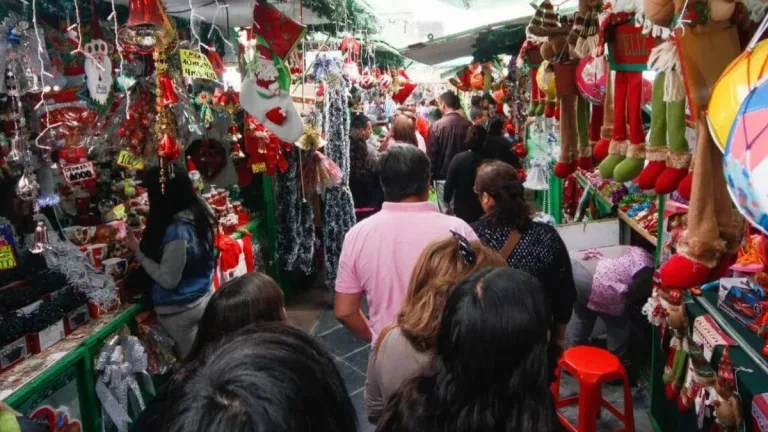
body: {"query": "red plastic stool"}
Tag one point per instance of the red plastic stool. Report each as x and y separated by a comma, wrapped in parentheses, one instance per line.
(592, 367)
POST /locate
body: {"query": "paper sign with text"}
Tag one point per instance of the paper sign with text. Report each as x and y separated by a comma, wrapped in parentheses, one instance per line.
(128, 160)
(79, 172)
(259, 168)
(7, 257)
(195, 64)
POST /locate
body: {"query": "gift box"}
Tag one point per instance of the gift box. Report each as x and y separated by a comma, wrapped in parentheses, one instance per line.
(46, 338)
(13, 354)
(760, 412)
(76, 318)
(277, 29)
(709, 335)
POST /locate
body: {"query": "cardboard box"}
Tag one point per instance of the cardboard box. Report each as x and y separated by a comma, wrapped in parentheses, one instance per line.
(45, 339)
(14, 353)
(76, 318)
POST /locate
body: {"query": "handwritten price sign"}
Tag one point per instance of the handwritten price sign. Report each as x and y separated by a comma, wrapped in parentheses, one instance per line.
(7, 257)
(128, 160)
(79, 172)
(195, 65)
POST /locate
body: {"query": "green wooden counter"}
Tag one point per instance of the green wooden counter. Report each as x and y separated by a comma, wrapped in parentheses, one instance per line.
(63, 374)
(665, 415)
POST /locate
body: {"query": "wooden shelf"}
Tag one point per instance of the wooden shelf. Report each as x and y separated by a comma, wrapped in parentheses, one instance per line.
(584, 182)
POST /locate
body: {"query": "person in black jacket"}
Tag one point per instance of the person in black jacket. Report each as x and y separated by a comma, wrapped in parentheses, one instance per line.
(459, 184)
(497, 146)
(363, 178)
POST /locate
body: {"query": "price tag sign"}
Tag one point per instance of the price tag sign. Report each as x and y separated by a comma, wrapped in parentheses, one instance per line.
(119, 211)
(259, 168)
(196, 65)
(7, 257)
(79, 172)
(128, 160)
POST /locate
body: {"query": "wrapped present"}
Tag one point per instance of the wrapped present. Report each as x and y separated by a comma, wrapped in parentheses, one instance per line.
(281, 32)
(709, 335)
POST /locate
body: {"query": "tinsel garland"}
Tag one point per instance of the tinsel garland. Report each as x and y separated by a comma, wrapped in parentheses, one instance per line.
(294, 241)
(339, 214)
(66, 258)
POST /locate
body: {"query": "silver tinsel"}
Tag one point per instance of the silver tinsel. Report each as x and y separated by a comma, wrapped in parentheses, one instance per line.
(295, 233)
(121, 359)
(339, 215)
(66, 258)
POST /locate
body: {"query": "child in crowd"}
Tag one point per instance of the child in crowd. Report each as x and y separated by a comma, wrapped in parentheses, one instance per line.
(252, 298)
(406, 349)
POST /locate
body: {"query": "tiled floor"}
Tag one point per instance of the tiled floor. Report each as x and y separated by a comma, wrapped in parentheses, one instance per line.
(352, 359)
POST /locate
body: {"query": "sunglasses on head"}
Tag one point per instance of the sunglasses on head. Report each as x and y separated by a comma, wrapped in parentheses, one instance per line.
(465, 249)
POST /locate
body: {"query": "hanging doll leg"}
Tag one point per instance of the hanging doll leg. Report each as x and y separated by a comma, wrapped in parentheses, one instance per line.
(606, 131)
(684, 189)
(630, 167)
(618, 148)
(679, 157)
(566, 92)
(656, 153)
(533, 107)
(595, 123)
(583, 126)
(713, 224)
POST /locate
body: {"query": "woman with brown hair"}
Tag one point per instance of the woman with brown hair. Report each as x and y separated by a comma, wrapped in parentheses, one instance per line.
(404, 131)
(527, 245)
(405, 349)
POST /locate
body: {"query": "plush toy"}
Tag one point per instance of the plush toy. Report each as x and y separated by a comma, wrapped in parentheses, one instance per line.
(626, 153)
(699, 376)
(564, 68)
(531, 53)
(728, 413)
(706, 46)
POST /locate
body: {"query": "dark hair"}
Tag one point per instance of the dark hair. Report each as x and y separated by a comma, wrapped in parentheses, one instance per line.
(362, 162)
(404, 172)
(503, 313)
(403, 129)
(450, 100)
(499, 180)
(267, 377)
(475, 113)
(249, 299)
(475, 101)
(495, 126)
(359, 121)
(164, 205)
(475, 138)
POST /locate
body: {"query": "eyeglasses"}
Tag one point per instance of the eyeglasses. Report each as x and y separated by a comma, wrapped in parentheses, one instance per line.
(465, 249)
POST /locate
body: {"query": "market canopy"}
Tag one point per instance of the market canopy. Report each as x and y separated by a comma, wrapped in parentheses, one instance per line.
(441, 50)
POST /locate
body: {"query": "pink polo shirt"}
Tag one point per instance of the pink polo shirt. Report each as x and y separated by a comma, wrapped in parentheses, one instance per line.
(379, 255)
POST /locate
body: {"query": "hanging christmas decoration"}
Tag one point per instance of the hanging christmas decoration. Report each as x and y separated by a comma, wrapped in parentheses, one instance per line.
(265, 150)
(98, 71)
(203, 101)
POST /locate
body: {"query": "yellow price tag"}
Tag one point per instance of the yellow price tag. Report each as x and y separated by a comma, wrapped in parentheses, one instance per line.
(7, 257)
(119, 211)
(196, 65)
(128, 160)
(259, 168)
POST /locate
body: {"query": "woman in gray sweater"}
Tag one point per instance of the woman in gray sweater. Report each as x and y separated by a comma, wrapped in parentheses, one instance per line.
(405, 349)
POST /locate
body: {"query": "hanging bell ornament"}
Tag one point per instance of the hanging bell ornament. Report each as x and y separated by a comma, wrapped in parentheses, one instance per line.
(168, 94)
(168, 148)
(27, 188)
(237, 156)
(41, 238)
(17, 150)
(144, 29)
(233, 133)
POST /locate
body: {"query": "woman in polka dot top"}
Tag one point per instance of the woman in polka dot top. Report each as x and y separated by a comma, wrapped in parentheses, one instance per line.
(540, 250)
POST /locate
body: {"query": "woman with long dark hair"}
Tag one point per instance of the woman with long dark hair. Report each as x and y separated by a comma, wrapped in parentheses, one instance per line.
(527, 245)
(176, 251)
(252, 298)
(363, 177)
(490, 370)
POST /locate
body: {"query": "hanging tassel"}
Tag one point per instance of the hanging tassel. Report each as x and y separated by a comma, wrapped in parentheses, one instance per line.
(41, 239)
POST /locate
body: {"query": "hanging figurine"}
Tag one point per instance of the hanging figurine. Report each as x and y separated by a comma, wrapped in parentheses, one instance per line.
(728, 413)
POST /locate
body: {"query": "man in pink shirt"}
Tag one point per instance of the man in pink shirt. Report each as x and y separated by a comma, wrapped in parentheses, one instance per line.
(379, 253)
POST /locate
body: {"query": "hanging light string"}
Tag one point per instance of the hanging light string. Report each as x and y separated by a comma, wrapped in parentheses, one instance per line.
(192, 15)
(219, 7)
(119, 47)
(79, 49)
(43, 73)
